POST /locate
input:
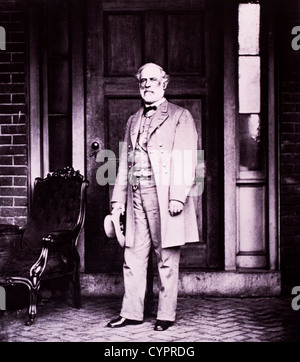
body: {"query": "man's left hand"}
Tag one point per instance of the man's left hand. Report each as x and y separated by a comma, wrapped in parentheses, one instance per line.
(175, 207)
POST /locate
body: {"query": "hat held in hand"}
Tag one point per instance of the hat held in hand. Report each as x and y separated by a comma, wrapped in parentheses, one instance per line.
(114, 226)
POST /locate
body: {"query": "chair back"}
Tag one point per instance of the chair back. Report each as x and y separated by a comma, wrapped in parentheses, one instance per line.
(58, 204)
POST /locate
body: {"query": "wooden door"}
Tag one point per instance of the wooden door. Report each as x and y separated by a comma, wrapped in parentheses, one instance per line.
(185, 38)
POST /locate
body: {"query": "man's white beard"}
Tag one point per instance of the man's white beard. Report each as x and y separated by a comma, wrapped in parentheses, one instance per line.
(152, 97)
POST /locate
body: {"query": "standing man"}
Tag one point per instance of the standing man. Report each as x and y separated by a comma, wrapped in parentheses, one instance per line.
(155, 177)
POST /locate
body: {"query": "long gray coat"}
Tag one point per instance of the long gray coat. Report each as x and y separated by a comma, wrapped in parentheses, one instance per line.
(172, 139)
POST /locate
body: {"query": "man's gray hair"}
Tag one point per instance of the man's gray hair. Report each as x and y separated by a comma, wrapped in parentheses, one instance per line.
(165, 77)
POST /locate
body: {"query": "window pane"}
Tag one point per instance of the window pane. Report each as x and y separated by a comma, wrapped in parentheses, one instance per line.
(251, 153)
(58, 86)
(251, 219)
(58, 26)
(60, 142)
(249, 84)
(249, 18)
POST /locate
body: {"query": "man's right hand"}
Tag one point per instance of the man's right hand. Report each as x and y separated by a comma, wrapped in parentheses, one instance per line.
(118, 206)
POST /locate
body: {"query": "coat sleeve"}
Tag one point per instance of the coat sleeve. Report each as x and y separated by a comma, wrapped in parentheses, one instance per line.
(119, 193)
(184, 157)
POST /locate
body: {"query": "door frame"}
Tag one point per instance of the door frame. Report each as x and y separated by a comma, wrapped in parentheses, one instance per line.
(37, 90)
(231, 237)
(95, 113)
(37, 93)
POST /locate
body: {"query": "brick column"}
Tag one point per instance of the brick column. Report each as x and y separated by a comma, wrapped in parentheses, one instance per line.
(288, 16)
(13, 115)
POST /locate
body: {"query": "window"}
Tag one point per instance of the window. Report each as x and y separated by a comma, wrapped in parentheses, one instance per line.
(251, 182)
(251, 144)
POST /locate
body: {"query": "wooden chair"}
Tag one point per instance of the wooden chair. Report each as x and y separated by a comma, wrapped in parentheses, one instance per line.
(46, 247)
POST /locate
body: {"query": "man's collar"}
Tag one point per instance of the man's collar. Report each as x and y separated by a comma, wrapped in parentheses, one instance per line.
(157, 103)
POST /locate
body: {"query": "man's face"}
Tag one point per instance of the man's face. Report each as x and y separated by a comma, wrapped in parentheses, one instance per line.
(152, 88)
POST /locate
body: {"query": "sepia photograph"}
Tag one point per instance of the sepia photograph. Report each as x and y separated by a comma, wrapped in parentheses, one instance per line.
(150, 173)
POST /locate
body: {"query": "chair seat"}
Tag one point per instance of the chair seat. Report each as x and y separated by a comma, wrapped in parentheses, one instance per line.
(18, 263)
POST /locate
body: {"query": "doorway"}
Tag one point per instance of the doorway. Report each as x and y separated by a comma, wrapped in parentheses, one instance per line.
(186, 39)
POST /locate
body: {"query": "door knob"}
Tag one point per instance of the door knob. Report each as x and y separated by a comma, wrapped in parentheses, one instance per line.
(95, 145)
(95, 148)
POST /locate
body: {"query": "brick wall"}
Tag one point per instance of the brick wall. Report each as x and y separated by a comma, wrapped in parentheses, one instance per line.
(13, 127)
(289, 122)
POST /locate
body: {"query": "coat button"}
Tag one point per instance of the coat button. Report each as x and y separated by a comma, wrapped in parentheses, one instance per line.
(160, 145)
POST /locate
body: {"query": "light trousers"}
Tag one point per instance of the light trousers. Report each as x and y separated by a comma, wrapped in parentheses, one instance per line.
(147, 233)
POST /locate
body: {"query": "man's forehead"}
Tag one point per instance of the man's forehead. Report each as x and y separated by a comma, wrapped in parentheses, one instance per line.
(151, 71)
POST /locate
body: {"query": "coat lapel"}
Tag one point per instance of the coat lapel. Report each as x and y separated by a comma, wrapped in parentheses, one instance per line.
(160, 116)
(135, 126)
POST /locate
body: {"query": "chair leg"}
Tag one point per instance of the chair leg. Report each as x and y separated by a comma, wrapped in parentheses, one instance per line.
(33, 285)
(33, 294)
(76, 287)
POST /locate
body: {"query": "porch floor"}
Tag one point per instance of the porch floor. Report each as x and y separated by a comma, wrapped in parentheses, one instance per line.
(199, 319)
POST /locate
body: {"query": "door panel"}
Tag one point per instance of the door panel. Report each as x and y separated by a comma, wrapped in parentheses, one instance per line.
(184, 38)
(185, 43)
(123, 44)
(118, 111)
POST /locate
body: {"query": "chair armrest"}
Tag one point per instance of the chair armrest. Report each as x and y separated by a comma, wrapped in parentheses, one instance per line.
(60, 236)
